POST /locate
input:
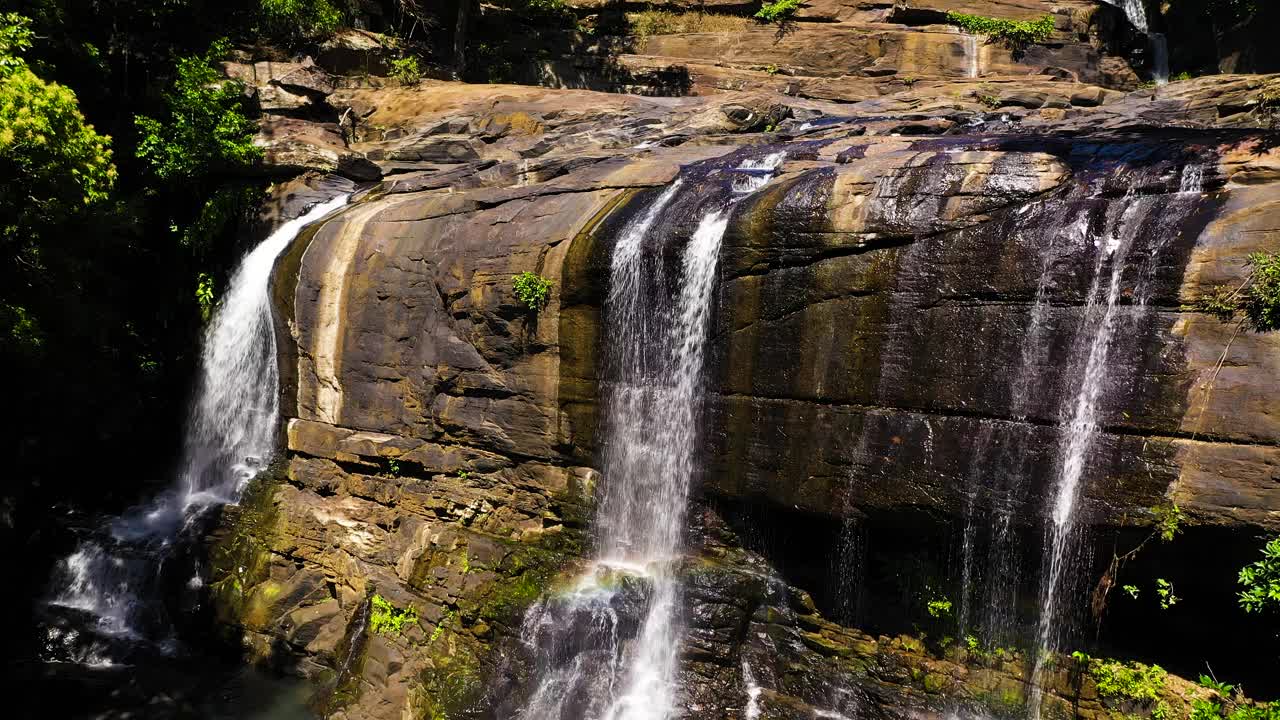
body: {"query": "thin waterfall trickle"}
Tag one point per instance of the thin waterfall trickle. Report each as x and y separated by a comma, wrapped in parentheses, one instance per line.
(592, 656)
(1081, 431)
(971, 54)
(1159, 57)
(230, 438)
(989, 579)
(1118, 292)
(751, 711)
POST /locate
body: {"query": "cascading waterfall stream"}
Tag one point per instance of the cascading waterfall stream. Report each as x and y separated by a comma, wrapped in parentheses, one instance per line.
(585, 665)
(1136, 12)
(230, 437)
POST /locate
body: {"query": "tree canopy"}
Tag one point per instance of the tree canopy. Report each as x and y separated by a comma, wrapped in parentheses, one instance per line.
(54, 163)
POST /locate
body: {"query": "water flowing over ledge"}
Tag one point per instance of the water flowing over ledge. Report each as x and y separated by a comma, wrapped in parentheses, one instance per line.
(589, 664)
(230, 437)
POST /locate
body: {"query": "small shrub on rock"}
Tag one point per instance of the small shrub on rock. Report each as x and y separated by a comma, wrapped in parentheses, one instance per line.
(407, 70)
(387, 619)
(532, 289)
(1255, 302)
(779, 11)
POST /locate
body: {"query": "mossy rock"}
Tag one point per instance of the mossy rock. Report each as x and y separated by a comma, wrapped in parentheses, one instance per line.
(240, 556)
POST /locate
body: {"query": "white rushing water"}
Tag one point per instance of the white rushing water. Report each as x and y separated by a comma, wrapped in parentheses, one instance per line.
(751, 711)
(230, 437)
(1192, 179)
(584, 668)
(1136, 12)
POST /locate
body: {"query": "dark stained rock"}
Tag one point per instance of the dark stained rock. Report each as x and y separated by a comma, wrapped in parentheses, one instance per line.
(898, 326)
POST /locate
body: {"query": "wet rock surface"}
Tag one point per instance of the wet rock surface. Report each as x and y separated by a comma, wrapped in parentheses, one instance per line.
(869, 353)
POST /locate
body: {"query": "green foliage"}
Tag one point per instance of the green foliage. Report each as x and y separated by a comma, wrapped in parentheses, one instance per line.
(1202, 709)
(1126, 681)
(19, 328)
(939, 607)
(15, 39)
(387, 619)
(1131, 590)
(532, 289)
(205, 130)
(1168, 521)
(1261, 580)
(407, 70)
(1164, 591)
(534, 8)
(1219, 301)
(220, 214)
(1267, 106)
(392, 466)
(1260, 711)
(52, 164)
(1224, 707)
(1016, 34)
(779, 11)
(1256, 302)
(204, 295)
(986, 95)
(1211, 683)
(1261, 302)
(299, 18)
(438, 630)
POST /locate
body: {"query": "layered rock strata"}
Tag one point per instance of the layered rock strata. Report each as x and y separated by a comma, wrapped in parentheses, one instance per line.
(873, 306)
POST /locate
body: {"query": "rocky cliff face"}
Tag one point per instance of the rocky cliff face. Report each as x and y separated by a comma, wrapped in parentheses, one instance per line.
(896, 343)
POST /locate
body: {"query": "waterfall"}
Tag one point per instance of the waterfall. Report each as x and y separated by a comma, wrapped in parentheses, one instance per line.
(656, 539)
(1000, 466)
(1159, 57)
(1081, 431)
(593, 658)
(1101, 317)
(750, 711)
(230, 437)
(1136, 12)
(971, 53)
